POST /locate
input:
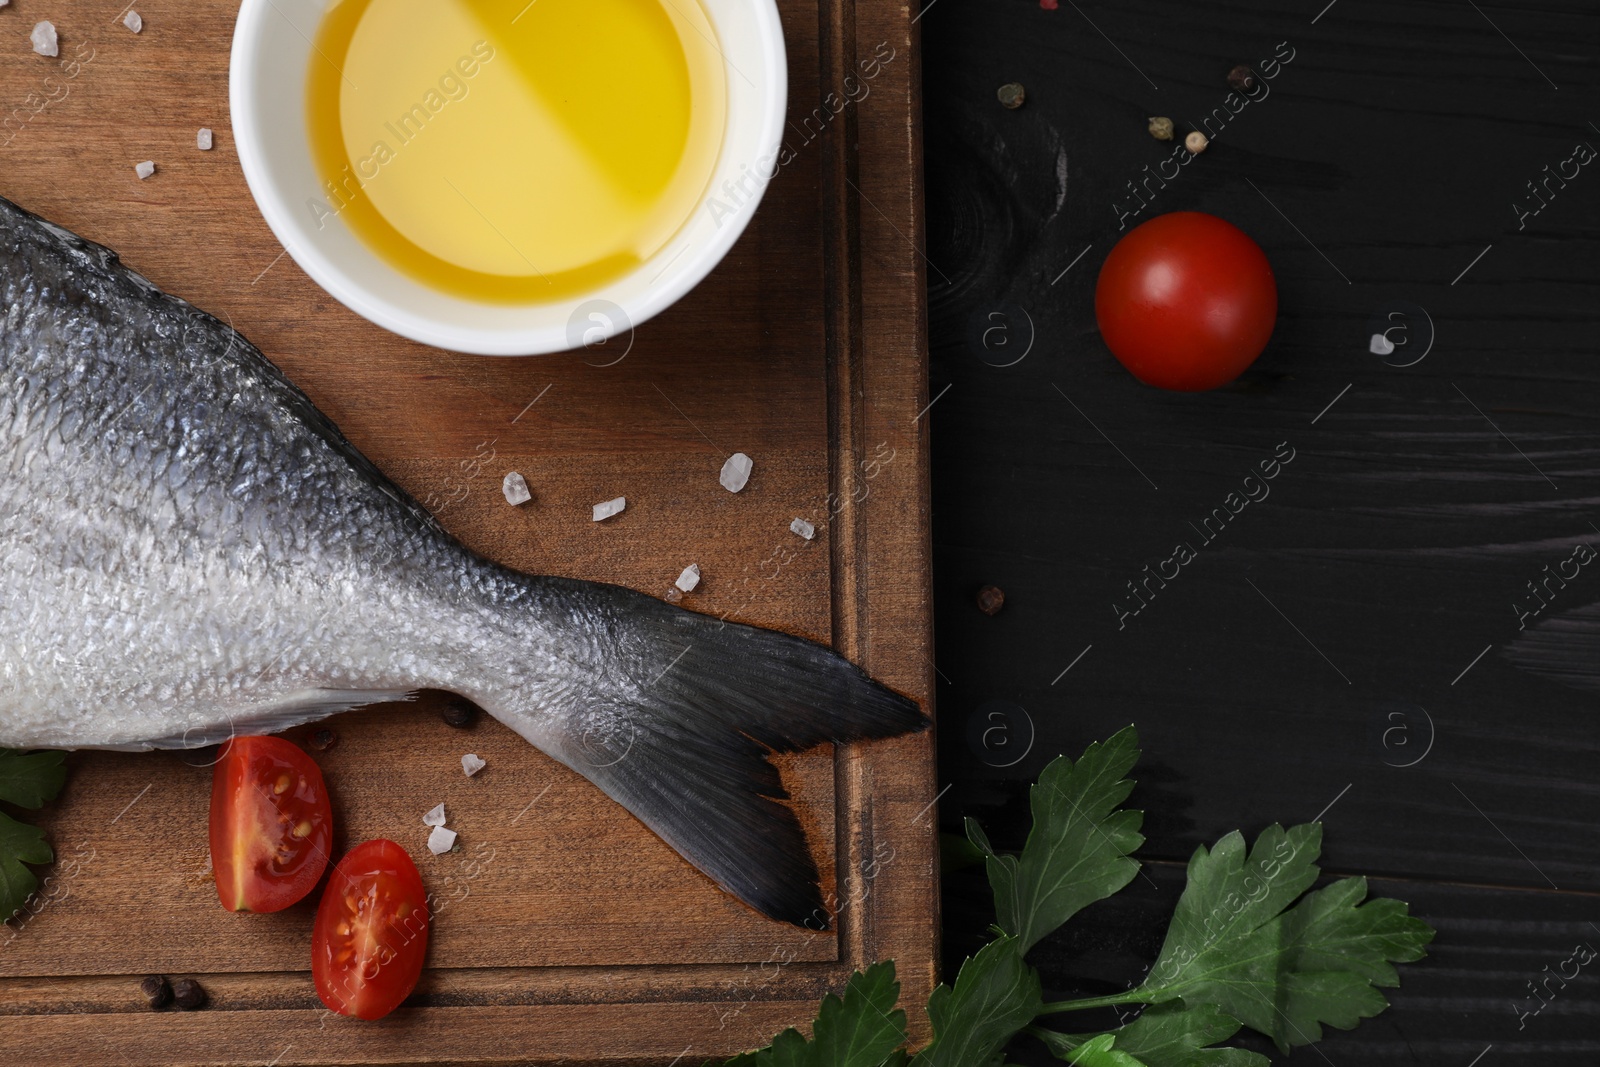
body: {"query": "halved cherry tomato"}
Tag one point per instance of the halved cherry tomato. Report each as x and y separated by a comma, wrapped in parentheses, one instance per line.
(371, 932)
(271, 826)
(1186, 301)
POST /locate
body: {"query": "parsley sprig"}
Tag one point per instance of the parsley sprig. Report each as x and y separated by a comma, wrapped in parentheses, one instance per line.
(27, 780)
(1251, 944)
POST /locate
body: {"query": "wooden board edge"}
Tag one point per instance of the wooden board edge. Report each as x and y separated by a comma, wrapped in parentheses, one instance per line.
(883, 598)
(568, 1034)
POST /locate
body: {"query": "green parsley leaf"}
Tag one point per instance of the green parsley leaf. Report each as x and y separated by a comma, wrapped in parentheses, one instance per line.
(864, 1029)
(19, 844)
(1169, 1035)
(788, 1049)
(1176, 1035)
(1283, 973)
(28, 779)
(1098, 1052)
(995, 995)
(1077, 850)
(1249, 945)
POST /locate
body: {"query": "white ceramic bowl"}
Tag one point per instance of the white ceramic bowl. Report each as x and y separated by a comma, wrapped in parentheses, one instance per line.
(267, 86)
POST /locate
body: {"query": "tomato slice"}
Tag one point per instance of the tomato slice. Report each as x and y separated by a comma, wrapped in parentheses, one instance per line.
(271, 826)
(371, 932)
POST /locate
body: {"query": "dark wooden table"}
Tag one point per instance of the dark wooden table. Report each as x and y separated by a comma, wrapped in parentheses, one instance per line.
(1364, 642)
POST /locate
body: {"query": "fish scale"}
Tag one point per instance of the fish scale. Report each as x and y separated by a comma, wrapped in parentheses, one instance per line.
(189, 550)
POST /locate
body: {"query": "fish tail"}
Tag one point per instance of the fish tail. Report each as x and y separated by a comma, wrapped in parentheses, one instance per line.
(680, 738)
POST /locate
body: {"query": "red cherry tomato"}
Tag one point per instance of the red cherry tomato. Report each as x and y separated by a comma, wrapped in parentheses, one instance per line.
(371, 932)
(1186, 301)
(271, 826)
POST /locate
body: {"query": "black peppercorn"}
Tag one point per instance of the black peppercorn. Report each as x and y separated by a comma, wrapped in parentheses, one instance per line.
(157, 990)
(187, 995)
(1242, 78)
(1011, 95)
(458, 713)
(991, 600)
(324, 739)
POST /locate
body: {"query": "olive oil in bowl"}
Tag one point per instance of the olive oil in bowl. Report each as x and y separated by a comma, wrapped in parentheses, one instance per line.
(514, 151)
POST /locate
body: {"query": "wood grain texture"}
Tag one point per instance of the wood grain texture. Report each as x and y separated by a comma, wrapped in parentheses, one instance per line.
(1386, 560)
(566, 932)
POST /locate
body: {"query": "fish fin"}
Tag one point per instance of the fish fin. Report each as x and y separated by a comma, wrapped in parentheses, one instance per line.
(682, 743)
(294, 709)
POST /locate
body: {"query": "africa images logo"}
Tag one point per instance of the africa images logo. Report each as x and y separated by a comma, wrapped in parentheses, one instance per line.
(1400, 333)
(602, 327)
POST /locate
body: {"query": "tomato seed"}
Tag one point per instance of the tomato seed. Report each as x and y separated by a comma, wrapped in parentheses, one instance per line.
(282, 784)
(303, 828)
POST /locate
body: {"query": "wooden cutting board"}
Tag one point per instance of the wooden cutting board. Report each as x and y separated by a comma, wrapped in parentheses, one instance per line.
(565, 932)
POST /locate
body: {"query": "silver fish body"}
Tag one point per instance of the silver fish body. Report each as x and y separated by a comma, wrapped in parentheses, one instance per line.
(190, 550)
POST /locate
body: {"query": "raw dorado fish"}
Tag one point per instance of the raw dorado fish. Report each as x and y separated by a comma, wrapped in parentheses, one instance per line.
(189, 550)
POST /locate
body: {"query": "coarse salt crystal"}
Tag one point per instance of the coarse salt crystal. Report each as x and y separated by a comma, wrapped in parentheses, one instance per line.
(441, 840)
(145, 169)
(689, 578)
(133, 21)
(434, 817)
(471, 764)
(610, 508)
(515, 487)
(803, 528)
(735, 472)
(202, 139)
(44, 39)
